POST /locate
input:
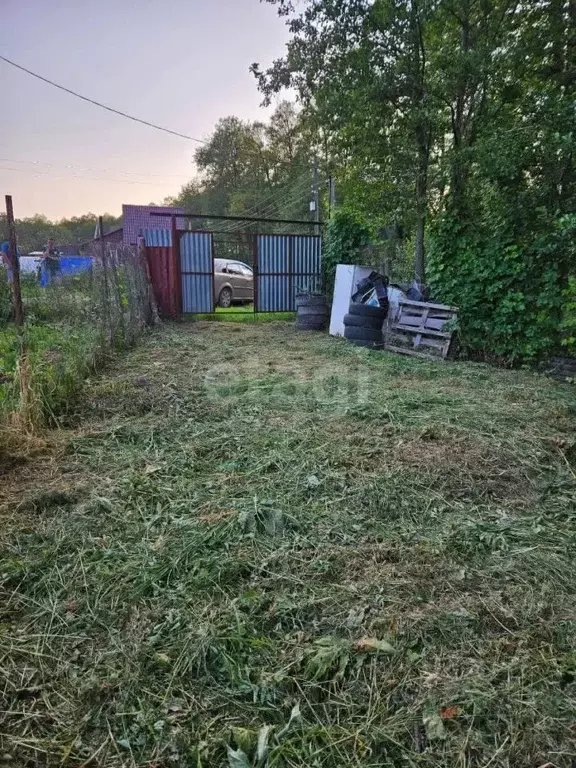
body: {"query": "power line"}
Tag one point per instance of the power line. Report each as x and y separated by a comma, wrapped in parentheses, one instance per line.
(98, 103)
(94, 170)
(278, 197)
(87, 178)
(286, 197)
(258, 207)
(286, 201)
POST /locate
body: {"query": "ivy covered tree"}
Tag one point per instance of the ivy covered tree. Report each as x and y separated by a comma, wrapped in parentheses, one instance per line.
(455, 120)
(361, 69)
(503, 244)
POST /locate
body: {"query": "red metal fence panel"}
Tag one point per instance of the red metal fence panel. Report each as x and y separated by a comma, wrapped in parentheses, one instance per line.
(164, 279)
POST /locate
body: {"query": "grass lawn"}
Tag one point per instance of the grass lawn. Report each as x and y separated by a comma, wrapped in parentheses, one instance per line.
(251, 546)
(242, 313)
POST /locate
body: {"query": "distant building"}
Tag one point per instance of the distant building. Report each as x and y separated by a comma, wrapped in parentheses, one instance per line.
(68, 250)
(138, 218)
(114, 236)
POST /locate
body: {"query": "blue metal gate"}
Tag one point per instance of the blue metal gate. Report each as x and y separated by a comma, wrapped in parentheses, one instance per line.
(197, 271)
(286, 265)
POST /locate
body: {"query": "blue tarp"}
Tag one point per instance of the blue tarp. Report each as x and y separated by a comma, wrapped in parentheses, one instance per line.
(69, 265)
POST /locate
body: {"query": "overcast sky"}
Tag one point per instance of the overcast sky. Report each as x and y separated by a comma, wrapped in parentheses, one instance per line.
(178, 63)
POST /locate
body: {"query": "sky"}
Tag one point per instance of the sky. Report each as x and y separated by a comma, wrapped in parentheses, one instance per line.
(182, 64)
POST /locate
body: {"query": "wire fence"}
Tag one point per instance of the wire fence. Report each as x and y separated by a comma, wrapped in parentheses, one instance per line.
(72, 323)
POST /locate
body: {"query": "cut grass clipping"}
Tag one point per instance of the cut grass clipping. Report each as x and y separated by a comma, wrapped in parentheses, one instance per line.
(262, 548)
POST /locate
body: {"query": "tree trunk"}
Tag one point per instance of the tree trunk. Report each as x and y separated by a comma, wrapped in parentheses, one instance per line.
(459, 168)
(423, 139)
(420, 260)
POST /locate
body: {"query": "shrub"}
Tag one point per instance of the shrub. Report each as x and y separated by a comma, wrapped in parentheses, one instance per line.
(507, 284)
(568, 324)
(346, 236)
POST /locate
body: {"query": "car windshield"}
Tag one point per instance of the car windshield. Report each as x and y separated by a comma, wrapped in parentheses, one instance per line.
(240, 269)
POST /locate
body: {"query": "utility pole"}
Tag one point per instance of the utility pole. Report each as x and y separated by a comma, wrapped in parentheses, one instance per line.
(14, 264)
(316, 197)
(331, 196)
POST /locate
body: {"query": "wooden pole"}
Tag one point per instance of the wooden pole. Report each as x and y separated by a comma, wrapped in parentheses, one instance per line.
(316, 197)
(29, 415)
(175, 272)
(14, 265)
(152, 307)
(108, 319)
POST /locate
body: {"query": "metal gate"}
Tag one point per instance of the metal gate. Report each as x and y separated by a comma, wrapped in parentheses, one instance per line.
(182, 269)
(285, 265)
(182, 262)
(197, 271)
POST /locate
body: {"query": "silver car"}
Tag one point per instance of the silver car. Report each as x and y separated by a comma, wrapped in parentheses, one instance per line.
(233, 282)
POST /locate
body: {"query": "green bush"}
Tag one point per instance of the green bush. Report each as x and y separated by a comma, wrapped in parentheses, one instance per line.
(346, 236)
(568, 324)
(5, 297)
(508, 284)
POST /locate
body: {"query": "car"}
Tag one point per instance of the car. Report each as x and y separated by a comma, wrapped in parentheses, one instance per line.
(233, 282)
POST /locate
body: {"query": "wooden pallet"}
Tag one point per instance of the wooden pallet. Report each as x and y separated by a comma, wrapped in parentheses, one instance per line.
(418, 330)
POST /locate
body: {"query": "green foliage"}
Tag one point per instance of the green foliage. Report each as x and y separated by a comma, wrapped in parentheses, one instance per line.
(568, 324)
(70, 326)
(5, 297)
(460, 114)
(507, 284)
(346, 236)
(253, 168)
(34, 232)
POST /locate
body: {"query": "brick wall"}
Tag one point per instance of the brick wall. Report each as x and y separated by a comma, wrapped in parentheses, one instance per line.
(137, 218)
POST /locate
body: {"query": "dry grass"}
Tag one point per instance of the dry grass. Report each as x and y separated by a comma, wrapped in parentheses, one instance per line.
(257, 547)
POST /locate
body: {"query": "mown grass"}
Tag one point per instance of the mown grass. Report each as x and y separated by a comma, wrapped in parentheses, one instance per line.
(242, 314)
(258, 547)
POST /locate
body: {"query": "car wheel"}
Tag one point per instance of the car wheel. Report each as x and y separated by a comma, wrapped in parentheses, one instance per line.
(225, 298)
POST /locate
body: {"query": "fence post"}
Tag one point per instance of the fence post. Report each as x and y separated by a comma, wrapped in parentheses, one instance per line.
(175, 276)
(28, 414)
(108, 318)
(151, 308)
(14, 265)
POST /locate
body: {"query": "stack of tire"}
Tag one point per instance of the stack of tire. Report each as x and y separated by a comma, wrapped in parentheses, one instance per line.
(311, 312)
(363, 324)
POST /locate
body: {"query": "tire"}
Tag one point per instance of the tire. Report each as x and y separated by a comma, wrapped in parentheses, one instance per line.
(310, 300)
(225, 298)
(359, 321)
(365, 310)
(311, 323)
(362, 334)
(313, 309)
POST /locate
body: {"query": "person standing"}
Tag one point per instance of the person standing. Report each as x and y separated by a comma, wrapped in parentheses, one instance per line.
(51, 262)
(5, 260)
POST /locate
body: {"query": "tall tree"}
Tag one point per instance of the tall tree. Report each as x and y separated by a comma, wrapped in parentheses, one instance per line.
(361, 66)
(253, 168)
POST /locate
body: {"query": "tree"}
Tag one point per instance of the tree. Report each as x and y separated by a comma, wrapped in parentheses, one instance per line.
(254, 169)
(361, 67)
(503, 247)
(34, 232)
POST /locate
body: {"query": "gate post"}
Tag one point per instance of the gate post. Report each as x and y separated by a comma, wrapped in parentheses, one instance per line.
(255, 256)
(175, 272)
